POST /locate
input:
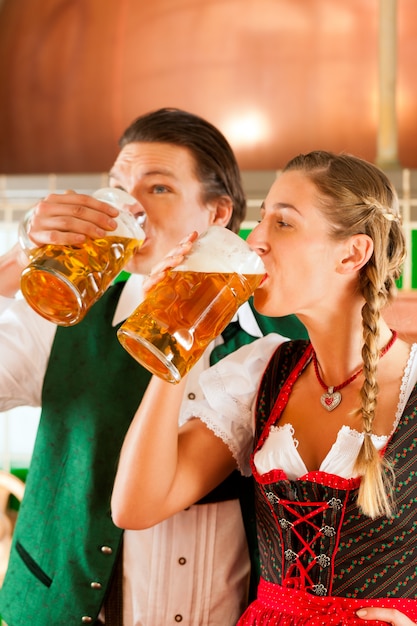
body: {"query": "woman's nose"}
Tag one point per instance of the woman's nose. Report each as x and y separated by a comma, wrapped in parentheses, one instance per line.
(256, 240)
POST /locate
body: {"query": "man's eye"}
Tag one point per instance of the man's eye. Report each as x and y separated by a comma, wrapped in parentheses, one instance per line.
(159, 189)
(116, 185)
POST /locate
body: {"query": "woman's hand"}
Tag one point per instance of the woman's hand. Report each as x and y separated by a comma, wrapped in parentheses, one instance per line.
(391, 616)
(175, 257)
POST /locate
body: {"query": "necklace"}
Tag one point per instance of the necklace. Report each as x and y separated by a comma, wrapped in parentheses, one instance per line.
(332, 396)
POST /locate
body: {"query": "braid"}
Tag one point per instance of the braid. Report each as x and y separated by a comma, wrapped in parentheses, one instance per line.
(377, 281)
(375, 492)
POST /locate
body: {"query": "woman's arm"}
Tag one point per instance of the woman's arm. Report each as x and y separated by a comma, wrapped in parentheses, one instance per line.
(164, 469)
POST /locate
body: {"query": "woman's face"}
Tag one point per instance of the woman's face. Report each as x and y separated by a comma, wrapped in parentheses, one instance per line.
(300, 257)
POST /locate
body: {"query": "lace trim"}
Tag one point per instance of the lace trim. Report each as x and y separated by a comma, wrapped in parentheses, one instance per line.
(237, 439)
(357, 435)
(404, 391)
(284, 427)
(343, 429)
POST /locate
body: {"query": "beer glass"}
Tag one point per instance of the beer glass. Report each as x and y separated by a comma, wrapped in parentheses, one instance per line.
(62, 282)
(194, 302)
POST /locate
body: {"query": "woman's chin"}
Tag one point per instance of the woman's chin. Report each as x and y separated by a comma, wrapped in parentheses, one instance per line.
(260, 302)
(265, 305)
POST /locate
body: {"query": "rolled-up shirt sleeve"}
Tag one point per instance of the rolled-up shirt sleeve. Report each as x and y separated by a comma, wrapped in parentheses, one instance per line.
(230, 389)
(25, 345)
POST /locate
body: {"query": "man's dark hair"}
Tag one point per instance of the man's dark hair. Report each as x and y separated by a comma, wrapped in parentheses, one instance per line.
(216, 165)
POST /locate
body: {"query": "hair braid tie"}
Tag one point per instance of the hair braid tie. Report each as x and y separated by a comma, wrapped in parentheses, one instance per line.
(385, 211)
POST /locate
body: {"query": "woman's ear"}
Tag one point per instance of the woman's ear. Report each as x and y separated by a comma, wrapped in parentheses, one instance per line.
(221, 210)
(357, 252)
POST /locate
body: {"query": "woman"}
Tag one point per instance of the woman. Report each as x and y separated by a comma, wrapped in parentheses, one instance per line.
(327, 428)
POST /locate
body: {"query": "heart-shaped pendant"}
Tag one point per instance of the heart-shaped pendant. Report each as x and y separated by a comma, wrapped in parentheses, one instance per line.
(331, 399)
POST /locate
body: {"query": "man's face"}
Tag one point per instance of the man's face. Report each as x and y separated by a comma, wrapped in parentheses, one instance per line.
(162, 178)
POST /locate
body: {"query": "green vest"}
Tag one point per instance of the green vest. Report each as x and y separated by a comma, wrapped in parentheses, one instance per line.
(65, 545)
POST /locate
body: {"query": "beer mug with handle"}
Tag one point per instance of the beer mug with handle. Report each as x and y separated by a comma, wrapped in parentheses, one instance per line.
(62, 282)
(169, 331)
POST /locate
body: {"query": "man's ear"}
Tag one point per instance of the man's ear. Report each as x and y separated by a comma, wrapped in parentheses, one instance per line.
(221, 210)
(357, 251)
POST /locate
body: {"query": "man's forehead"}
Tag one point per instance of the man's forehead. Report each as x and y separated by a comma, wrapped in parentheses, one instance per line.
(154, 158)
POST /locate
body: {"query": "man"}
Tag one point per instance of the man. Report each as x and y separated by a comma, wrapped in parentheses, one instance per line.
(67, 555)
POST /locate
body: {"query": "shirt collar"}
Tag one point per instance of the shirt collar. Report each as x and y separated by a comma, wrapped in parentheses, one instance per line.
(132, 296)
(247, 320)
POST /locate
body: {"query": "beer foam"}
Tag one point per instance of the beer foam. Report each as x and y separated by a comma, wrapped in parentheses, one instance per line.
(127, 224)
(221, 250)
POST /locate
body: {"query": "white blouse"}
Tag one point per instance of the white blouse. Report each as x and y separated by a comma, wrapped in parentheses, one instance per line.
(230, 389)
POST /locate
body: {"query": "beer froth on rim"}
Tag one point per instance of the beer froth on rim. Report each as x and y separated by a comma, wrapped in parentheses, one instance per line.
(221, 250)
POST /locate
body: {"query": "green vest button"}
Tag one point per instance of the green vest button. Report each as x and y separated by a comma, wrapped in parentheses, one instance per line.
(95, 585)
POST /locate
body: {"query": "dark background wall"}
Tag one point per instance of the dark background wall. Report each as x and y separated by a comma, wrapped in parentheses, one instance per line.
(277, 76)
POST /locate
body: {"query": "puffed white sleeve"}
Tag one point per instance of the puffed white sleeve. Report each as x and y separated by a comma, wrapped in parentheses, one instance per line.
(230, 389)
(25, 340)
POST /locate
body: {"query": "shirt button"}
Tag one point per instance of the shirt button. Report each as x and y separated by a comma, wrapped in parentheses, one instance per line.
(86, 619)
(178, 618)
(182, 560)
(95, 585)
(106, 550)
(191, 396)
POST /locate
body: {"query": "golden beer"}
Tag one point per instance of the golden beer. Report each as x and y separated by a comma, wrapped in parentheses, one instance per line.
(62, 282)
(181, 315)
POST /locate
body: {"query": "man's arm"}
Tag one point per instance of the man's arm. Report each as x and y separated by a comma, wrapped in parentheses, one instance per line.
(11, 265)
(25, 339)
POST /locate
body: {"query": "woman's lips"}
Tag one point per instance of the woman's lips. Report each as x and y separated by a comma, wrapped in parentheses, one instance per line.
(265, 277)
(144, 243)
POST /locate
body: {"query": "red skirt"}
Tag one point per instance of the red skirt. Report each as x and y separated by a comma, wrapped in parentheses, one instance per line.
(276, 605)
